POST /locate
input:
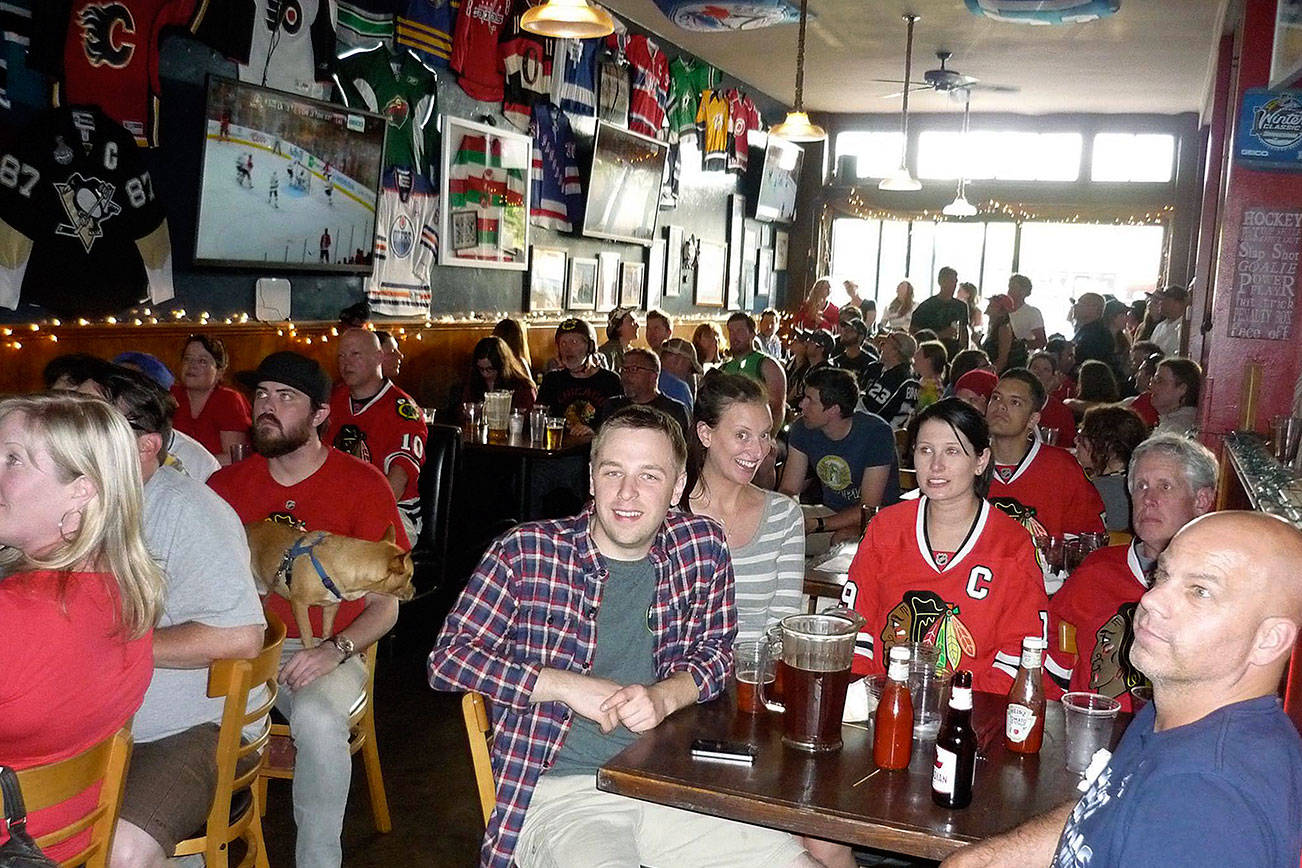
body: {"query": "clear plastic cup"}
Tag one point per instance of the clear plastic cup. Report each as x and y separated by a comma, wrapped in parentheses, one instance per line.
(1089, 726)
(928, 687)
(752, 667)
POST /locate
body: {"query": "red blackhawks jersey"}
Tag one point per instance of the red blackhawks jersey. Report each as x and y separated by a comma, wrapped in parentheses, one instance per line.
(386, 429)
(975, 604)
(344, 496)
(474, 48)
(1048, 492)
(1091, 626)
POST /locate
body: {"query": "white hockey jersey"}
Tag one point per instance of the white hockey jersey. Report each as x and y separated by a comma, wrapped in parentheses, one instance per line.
(292, 46)
(406, 243)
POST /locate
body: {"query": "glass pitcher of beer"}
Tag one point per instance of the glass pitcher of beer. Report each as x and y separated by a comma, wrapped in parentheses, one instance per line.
(814, 671)
(497, 413)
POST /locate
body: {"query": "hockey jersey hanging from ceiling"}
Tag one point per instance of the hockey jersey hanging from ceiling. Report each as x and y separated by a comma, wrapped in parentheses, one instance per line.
(81, 231)
(426, 27)
(715, 15)
(406, 243)
(557, 200)
(526, 61)
(574, 76)
(291, 46)
(484, 190)
(743, 118)
(649, 69)
(688, 79)
(407, 96)
(712, 125)
(105, 52)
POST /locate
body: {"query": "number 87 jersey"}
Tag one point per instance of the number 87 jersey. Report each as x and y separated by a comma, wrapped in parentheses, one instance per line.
(81, 230)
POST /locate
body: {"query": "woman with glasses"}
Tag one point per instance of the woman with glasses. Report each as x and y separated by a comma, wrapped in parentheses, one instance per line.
(217, 416)
(494, 368)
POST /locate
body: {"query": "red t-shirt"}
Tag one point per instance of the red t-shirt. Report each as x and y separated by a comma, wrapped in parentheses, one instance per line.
(828, 319)
(387, 428)
(1055, 415)
(1048, 488)
(977, 606)
(68, 681)
(225, 410)
(1094, 613)
(344, 496)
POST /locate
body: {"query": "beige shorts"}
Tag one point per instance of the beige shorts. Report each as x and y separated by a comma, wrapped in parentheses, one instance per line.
(572, 824)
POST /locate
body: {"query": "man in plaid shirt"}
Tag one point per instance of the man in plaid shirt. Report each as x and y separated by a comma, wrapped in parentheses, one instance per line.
(585, 631)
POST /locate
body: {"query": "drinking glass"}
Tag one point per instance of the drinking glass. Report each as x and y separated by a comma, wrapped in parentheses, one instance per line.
(752, 667)
(538, 424)
(497, 411)
(515, 425)
(1052, 549)
(928, 685)
(473, 414)
(239, 451)
(1049, 436)
(1089, 726)
(555, 432)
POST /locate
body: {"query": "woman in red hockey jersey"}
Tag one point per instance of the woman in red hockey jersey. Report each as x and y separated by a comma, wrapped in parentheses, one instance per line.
(948, 568)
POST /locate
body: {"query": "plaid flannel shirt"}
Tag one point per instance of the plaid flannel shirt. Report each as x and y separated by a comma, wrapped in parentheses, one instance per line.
(533, 602)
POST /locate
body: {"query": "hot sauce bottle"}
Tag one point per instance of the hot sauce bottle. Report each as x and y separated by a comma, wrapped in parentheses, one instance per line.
(893, 727)
(956, 748)
(1024, 724)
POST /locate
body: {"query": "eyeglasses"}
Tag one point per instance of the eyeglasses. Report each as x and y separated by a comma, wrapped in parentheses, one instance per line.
(639, 368)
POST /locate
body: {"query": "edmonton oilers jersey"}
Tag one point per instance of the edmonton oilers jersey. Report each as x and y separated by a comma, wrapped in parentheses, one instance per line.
(406, 242)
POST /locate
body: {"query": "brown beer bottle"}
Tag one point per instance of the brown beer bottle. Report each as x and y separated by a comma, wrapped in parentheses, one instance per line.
(956, 748)
(893, 727)
(1024, 724)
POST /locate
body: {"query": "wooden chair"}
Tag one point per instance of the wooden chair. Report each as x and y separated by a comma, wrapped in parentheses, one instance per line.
(235, 812)
(1120, 538)
(474, 711)
(361, 726)
(104, 764)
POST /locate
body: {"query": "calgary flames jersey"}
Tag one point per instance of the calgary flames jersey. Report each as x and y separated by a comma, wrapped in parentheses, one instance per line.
(1091, 626)
(975, 604)
(1048, 493)
(385, 429)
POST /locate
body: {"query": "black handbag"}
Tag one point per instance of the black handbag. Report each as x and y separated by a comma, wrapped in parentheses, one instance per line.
(20, 851)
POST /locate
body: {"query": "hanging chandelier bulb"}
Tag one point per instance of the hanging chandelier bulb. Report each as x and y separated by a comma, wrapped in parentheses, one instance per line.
(961, 207)
(568, 19)
(796, 127)
(902, 180)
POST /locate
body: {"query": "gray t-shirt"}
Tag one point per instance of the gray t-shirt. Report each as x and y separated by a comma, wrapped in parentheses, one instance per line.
(770, 568)
(625, 654)
(200, 544)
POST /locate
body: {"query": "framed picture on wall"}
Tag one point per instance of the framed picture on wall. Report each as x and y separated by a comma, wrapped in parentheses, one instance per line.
(673, 261)
(736, 229)
(547, 280)
(608, 281)
(764, 282)
(631, 277)
(711, 267)
(781, 240)
(583, 284)
(485, 191)
(655, 274)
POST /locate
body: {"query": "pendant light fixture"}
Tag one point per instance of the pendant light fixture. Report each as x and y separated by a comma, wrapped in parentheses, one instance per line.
(961, 207)
(797, 126)
(901, 180)
(568, 19)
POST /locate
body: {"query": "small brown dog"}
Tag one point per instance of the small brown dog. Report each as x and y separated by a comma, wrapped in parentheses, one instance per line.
(321, 569)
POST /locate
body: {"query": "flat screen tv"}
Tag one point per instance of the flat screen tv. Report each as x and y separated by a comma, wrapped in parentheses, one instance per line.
(287, 182)
(779, 176)
(624, 187)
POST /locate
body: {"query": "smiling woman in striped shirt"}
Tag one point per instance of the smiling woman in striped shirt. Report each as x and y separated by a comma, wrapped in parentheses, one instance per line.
(765, 531)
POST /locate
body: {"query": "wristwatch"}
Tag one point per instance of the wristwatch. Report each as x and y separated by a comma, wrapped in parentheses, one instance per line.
(344, 645)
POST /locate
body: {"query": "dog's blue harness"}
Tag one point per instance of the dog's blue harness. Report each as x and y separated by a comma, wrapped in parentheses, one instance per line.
(302, 547)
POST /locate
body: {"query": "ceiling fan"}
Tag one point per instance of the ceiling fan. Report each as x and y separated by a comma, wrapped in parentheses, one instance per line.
(945, 80)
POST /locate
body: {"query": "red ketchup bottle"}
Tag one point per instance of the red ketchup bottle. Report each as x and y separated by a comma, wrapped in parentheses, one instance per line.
(893, 728)
(1024, 723)
(956, 748)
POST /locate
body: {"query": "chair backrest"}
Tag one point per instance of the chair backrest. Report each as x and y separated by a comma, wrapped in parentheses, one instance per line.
(474, 711)
(367, 699)
(105, 764)
(437, 476)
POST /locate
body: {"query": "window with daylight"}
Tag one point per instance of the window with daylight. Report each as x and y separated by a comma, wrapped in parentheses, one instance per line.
(854, 256)
(999, 155)
(1135, 158)
(876, 154)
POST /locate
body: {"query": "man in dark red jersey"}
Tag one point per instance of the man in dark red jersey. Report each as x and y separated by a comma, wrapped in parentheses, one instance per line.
(296, 479)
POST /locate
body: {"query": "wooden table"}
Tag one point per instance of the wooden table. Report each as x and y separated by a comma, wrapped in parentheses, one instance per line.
(822, 583)
(527, 453)
(815, 794)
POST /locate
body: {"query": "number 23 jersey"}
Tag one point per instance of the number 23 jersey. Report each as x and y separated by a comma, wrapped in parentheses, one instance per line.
(976, 604)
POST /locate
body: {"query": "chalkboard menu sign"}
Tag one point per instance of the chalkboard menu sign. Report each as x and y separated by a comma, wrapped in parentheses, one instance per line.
(1265, 274)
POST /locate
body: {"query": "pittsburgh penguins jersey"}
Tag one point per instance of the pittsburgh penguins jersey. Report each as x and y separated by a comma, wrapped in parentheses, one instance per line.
(405, 92)
(743, 118)
(574, 76)
(975, 604)
(527, 67)
(688, 79)
(474, 47)
(1048, 493)
(557, 194)
(1091, 626)
(426, 27)
(712, 122)
(384, 430)
(81, 230)
(406, 242)
(291, 46)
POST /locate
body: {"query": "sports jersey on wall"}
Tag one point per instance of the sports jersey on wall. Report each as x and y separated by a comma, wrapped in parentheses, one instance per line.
(405, 92)
(474, 47)
(574, 76)
(612, 88)
(16, 36)
(426, 27)
(292, 46)
(80, 228)
(480, 188)
(366, 23)
(743, 117)
(712, 122)
(406, 243)
(527, 68)
(975, 604)
(650, 83)
(557, 200)
(1048, 493)
(687, 80)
